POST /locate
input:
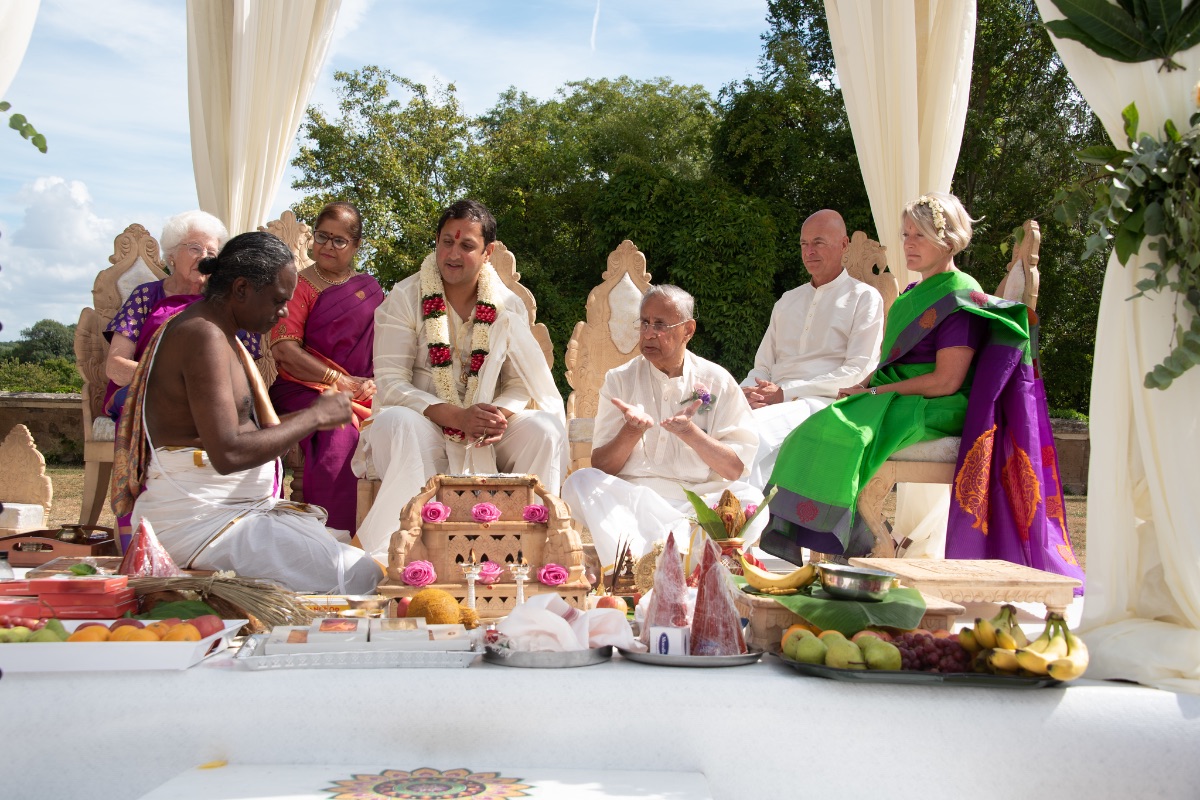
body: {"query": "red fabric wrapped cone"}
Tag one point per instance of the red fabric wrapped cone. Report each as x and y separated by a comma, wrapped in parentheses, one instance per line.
(668, 601)
(146, 557)
(716, 625)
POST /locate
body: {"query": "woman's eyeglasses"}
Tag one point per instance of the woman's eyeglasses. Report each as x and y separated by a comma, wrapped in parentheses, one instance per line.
(657, 327)
(320, 237)
(199, 252)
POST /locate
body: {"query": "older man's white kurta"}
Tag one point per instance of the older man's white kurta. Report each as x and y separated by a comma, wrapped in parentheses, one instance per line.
(404, 449)
(645, 499)
(820, 339)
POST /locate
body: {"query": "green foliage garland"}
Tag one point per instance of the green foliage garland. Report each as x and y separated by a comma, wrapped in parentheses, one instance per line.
(21, 125)
(1132, 30)
(1153, 190)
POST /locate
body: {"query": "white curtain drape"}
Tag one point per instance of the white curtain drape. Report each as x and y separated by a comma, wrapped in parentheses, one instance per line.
(16, 26)
(252, 65)
(1142, 613)
(905, 71)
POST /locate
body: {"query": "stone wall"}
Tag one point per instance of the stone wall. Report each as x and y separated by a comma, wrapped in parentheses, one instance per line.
(1074, 452)
(55, 420)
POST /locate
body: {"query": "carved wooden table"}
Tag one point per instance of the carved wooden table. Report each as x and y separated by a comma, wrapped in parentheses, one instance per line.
(984, 581)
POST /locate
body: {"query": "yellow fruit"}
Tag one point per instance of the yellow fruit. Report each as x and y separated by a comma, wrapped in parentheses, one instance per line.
(183, 632)
(128, 633)
(160, 629)
(761, 579)
(92, 633)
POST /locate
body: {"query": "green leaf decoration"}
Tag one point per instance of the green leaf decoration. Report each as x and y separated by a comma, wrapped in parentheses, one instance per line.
(706, 517)
(900, 608)
(184, 609)
(1133, 31)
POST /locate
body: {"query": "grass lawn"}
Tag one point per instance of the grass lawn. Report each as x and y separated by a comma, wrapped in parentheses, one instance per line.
(68, 491)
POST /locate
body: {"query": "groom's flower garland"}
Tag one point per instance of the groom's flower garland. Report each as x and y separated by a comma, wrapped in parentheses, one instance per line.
(437, 334)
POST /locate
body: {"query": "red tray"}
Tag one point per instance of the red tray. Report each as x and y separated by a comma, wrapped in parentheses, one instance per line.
(35, 607)
(34, 548)
(73, 599)
(79, 585)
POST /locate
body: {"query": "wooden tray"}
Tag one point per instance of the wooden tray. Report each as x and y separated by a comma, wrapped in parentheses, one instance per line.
(979, 581)
(35, 548)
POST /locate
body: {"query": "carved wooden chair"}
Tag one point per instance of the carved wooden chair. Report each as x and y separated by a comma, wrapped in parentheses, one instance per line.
(135, 260)
(606, 339)
(505, 264)
(934, 461)
(298, 237)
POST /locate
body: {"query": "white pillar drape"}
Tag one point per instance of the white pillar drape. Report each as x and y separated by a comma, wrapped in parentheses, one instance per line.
(905, 71)
(1142, 613)
(252, 65)
(16, 26)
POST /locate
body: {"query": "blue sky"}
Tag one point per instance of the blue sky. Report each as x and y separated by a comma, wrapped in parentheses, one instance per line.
(106, 82)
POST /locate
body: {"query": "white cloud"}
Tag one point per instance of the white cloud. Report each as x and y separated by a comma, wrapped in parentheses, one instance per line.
(50, 260)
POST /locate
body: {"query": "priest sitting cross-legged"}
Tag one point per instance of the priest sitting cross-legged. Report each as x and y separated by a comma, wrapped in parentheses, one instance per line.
(197, 452)
(666, 421)
(457, 367)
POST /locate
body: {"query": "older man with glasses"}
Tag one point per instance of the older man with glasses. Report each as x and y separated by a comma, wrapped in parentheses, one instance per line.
(666, 421)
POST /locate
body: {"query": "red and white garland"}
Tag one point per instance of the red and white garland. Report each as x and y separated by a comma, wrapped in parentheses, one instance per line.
(437, 335)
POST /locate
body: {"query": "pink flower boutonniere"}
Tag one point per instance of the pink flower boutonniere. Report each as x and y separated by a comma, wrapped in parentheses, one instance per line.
(699, 392)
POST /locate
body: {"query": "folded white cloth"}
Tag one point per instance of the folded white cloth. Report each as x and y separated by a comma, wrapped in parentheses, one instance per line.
(546, 623)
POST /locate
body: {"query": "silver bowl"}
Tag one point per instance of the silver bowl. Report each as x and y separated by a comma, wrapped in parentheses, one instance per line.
(367, 602)
(855, 583)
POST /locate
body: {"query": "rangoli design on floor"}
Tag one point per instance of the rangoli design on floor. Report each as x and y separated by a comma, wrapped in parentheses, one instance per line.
(428, 784)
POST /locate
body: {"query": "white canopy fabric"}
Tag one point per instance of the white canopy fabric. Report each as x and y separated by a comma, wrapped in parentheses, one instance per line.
(16, 26)
(905, 71)
(1142, 613)
(252, 65)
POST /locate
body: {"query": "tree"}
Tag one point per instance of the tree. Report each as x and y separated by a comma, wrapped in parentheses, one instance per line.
(400, 161)
(45, 340)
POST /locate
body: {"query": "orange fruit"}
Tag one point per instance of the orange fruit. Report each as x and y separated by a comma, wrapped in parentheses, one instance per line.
(128, 633)
(92, 633)
(160, 628)
(183, 632)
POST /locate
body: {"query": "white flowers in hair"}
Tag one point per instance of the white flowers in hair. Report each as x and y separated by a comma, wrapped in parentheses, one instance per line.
(938, 213)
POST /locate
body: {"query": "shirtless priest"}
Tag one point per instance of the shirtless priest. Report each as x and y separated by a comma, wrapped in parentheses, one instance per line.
(666, 421)
(200, 435)
(457, 368)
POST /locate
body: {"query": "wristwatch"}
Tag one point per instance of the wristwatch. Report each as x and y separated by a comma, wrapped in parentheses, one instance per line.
(874, 390)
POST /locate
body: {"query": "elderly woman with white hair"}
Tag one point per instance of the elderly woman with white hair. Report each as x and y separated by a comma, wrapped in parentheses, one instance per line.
(186, 240)
(666, 421)
(955, 362)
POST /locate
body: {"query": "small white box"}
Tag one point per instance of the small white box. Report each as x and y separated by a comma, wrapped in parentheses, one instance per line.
(286, 639)
(452, 636)
(667, 641)
(405, 629)
(338, 629)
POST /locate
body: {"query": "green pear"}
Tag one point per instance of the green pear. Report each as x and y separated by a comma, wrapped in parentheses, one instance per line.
(880, 654)
(810, 650)
(44, 635)
(56, 626)
(19, 633)
(844, 654)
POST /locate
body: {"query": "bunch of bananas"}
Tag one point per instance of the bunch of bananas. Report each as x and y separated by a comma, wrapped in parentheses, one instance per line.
(999, 646)
(770, 583)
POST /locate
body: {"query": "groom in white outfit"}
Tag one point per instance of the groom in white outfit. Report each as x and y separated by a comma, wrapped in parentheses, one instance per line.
(667, 420)
(823, 336)
(456, 366)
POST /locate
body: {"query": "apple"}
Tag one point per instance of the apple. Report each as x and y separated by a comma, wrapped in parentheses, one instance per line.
(83, 625)
(402, 606)
(208, 624)
(171, 622)
(612, 601)
(137, 623)
(868, 634)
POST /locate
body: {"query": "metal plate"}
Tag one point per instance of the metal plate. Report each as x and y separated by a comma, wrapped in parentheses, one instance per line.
(691, 661)
(926, 678)
(547, 659)
(250, 657)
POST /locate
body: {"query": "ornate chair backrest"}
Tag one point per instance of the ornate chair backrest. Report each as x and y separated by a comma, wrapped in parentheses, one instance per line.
(135, 260)
(299, 239)
(505, 264)
(1022, 279)
(607, 339)
(866, 260)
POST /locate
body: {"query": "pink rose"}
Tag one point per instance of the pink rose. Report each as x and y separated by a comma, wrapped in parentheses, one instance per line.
(535, 513)
(485, 512)
(433, 511)
(750, 509)
(553, 574)
(489, 572)
(419, 573)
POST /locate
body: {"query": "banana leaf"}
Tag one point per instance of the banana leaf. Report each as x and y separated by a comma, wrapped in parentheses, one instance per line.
(711, 521)
(900, 608)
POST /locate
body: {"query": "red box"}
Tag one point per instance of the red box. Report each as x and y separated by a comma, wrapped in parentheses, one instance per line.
(74, 599)
(39, 609)
(85, 585)
(10, 588)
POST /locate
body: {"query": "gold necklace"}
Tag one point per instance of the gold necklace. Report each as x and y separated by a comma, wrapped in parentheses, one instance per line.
(321, 275)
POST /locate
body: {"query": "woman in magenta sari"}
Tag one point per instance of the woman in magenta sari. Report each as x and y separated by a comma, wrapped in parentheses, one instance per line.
(326, 342)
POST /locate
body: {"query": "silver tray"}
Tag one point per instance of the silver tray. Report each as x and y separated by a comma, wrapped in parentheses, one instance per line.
(250, 656)
(921, 678)
(691, 661)
(547, 659)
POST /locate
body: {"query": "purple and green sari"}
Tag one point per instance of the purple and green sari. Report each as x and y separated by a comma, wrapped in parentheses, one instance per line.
(339, 331)
(1007, 498)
